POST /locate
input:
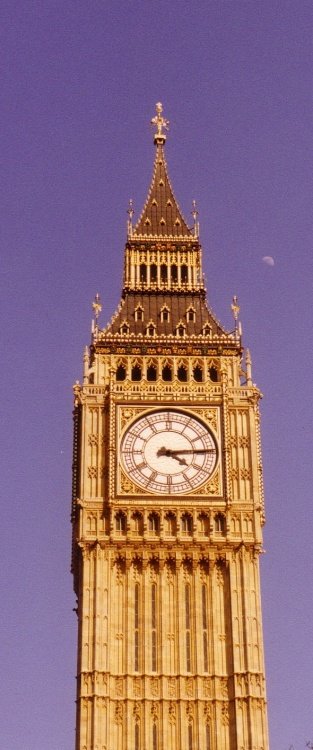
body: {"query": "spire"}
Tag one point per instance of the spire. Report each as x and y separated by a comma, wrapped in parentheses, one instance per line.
(161, 215)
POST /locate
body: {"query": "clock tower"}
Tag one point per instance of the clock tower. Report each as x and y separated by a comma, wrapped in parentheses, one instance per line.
(167, 507)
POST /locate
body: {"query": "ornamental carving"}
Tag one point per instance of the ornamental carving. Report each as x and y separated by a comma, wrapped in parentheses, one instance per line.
(207, 711)
(172, 712)
(171, 682)
(118, 716)
(224, 687)
(127, 487)
(127, 414)
(209, 415)
(154, 686)
(189, 686)
(154, 710)
(245, 474)
(189, 712)
(211, 488)
(93, 439)
(92, 472)
(225, 715)
(137, 686)
(119, 686)
(244, 441)
(207, 688)
(233, 473)
(137, 710)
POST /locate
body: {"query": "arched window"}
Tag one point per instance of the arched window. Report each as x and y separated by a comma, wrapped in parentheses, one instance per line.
(164, 273)
(153, 523)
(137, 524)
(151, 373)
(198, 374)
(167, 373)
(150, 330)
(170, 521)
(174, 274)
(204, 524)
(186, 524)
(184, 274)
(165, 314)
(136, 372)
(139, 313)
(182, 373)
(153, 272)
(191, 316)
(213, 374)
(121, 373)
(143, 272)
(120, 523)
(180, 330)
(219, 523)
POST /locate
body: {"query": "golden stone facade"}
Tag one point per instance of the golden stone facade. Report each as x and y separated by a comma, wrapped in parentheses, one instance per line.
(170, 647)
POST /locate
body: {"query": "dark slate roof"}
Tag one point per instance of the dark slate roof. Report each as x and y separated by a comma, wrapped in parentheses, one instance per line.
(161, 215)
(152, 304)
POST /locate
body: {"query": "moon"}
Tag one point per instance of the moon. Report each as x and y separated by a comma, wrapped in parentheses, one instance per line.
(268, 260)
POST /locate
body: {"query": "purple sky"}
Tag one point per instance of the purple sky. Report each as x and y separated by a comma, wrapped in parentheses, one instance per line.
(79, 86)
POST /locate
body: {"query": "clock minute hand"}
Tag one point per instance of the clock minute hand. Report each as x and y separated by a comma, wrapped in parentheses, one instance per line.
(196, 450)
(171, 454)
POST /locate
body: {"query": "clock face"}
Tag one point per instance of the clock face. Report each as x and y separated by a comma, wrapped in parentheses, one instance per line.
(168, 452)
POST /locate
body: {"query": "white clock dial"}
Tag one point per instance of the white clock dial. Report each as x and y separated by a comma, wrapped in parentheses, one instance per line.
(168, 452)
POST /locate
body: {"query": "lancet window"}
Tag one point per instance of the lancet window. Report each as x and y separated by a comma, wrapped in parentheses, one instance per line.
(167, 373)
(120, 372)
(120, 523)
(151, 372)
(154, 737)
(204, 594)
(184, 274)
(153, 628)
(139, 313)
(153, 273)
(182, 373)
(188, 626)
(165, 314)
(143, 272)
(136, 372)
(186, 524)
(136, 627)
(219, 523)
(191, 315)
(198, 374)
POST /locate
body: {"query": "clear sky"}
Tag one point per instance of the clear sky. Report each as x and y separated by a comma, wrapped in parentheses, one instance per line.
(79, 85)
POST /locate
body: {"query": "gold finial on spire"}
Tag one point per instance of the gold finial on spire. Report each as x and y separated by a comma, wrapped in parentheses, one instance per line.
(130, 212)
(236, 310)
(96, 306)
(160, 122)
(235, 307)
(195, 214)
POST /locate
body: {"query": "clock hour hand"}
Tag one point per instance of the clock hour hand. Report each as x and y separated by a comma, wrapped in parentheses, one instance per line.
(171, 454)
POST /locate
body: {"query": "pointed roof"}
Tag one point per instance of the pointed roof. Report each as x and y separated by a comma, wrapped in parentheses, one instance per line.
(161, 215)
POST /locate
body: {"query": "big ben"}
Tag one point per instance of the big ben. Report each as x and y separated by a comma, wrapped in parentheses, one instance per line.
(167, 506)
